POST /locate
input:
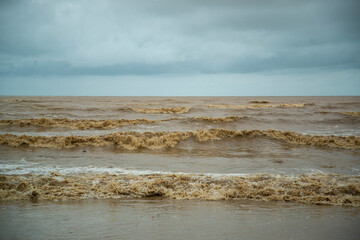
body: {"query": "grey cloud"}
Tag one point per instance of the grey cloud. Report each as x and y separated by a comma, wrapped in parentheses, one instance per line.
(161, 37)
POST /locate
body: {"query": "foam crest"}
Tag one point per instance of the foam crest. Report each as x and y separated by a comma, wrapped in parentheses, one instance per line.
(353, 114)
(15, 100)
(51, 108)
(333, 189)
(224, 119)
(24, 169)
(288, 105)
(158, 140)
(75, 123)
(162, 110)
(259, 101)
(145, 104)
(83, 124)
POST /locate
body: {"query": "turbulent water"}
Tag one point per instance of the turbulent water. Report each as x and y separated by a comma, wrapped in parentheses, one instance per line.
(273, 149)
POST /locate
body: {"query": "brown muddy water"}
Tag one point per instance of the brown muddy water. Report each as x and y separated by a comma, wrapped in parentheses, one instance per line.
(179, 167)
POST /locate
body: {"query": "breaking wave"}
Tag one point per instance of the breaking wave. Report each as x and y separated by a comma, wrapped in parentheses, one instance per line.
(17, 100)
(90, 109)
(74, 123)
(224, 119)
(158, 140)
(109, 101)
(332, 189)
(144, 104)
(259, 101)
(353, 114)
(162, 110)
(258, 106)
(102, 124)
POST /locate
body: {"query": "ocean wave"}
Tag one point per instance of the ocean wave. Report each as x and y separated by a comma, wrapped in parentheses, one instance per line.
(14, 100)
(224, 119)
(288, 105)
(74, 123)
(159, 140)
(83, 124)
(109, 101)
(162, 110)
(348, 103)
(50, 108)
(18, 100)
(259, 101)
(340, 106)
(352, 114)
(144, 104)
(331, 189)
(208, 119)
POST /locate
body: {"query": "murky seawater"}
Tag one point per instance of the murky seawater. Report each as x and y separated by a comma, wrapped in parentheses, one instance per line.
(176, 219)
(119, 167)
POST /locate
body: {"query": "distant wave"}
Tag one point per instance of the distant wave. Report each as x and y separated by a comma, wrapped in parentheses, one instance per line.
(348, 103)
(258, 106)
(259, 101)
(109, 101)
(330, 189)
(74, 123)
(158, 140)
(224, 119)
(340, 105)
(324, 112)
(162, 110)
(50, 108)
(353, 114)
(17, 100)
(144, 104)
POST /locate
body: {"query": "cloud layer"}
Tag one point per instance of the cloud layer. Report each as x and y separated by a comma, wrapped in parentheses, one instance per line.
(72, 38)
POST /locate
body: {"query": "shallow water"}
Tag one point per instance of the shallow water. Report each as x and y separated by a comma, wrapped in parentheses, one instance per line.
(176, 219)
(57, 154)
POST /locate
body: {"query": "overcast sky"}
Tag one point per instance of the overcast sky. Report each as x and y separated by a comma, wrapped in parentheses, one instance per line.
(212, 47)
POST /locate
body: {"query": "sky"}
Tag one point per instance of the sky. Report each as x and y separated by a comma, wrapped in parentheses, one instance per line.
(180, 48)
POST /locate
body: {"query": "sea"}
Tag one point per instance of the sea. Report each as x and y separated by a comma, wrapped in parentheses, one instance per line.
(179, 167)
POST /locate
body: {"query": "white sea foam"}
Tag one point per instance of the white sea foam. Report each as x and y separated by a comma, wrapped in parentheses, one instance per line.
(20, 169)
